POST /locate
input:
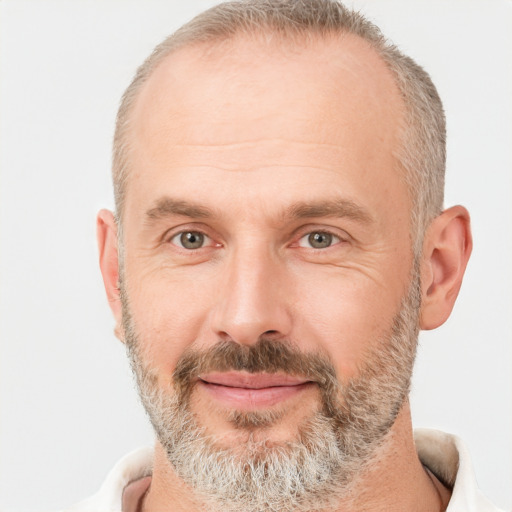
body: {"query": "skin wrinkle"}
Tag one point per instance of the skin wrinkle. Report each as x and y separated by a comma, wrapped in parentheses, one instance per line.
(294, 36)
(376, 107)
(347, 302)
(253, 142)
(363, 267)
(241, 165)
(356, 415)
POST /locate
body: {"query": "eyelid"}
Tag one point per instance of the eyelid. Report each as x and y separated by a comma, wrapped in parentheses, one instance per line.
(340, 234)
(335, 240)
(172, 233)
(206, 239)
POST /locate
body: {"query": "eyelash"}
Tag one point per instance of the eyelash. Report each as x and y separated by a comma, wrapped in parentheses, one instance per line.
(179, 234)
(336, 239)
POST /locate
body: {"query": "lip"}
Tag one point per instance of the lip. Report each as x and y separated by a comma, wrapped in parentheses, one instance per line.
(251, 380)
(249, 391)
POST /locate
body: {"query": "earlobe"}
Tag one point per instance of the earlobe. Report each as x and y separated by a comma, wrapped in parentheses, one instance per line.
(109, 264)
(446, 251)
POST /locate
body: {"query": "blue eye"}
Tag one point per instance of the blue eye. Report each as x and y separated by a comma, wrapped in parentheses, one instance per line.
(190, 240)
(318, 240)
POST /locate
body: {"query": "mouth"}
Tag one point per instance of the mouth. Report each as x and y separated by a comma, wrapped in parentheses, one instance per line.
(246, 391)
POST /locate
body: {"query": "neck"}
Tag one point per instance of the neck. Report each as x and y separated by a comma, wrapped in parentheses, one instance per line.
(394, 481)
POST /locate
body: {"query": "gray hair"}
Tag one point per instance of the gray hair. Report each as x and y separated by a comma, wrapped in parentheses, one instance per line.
(421, 153)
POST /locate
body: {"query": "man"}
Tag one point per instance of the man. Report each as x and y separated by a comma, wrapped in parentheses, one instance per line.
(279, 240)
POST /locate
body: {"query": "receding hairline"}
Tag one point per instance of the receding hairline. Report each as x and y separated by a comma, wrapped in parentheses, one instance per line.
(422, 150)
(267, 41)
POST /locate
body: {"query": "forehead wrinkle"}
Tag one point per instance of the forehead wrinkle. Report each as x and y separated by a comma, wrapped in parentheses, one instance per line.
(180, 69)
(249, 143)
(250, 155)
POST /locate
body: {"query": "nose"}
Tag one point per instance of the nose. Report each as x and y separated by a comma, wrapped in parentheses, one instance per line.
(252, 301)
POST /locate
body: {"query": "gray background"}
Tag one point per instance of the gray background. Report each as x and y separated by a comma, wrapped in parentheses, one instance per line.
(67, 406)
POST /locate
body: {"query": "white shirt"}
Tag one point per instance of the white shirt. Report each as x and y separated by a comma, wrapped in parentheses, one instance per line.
(444, 454)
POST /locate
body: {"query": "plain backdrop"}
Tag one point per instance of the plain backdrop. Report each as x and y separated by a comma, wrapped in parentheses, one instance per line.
(68, 409)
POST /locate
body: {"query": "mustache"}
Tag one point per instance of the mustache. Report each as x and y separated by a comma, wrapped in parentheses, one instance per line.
(265, 356)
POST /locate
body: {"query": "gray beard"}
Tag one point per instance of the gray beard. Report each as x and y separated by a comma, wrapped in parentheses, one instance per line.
(332, 447)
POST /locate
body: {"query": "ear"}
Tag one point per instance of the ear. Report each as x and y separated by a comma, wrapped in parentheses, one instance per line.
(446, 250)
(106, 230)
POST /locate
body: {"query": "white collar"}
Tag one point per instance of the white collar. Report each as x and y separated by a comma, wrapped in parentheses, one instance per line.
(444, 454)
(448, 458)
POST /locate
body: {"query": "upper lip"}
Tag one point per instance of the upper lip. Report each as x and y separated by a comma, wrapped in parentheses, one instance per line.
(251, 380)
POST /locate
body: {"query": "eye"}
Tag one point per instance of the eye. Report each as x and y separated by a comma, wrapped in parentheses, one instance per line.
(190, 240)
(318, 240)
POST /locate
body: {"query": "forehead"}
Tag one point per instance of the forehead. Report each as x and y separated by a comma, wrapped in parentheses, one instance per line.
(242, 104)
(335, 82)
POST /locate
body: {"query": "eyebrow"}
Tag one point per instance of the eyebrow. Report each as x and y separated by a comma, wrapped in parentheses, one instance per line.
(342, 208)
(167, 207)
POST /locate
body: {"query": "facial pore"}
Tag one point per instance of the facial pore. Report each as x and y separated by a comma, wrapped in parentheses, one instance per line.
(331, 448)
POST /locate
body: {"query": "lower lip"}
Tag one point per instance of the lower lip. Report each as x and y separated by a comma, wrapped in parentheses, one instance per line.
(249, 398)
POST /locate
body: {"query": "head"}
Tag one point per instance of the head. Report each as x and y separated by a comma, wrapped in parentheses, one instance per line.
(278, 171)
(421, 149)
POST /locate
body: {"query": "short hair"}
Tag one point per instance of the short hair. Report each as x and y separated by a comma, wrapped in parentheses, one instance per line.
(421, 153)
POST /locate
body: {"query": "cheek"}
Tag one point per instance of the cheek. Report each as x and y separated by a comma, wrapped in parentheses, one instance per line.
(345, 318)
(169, 313)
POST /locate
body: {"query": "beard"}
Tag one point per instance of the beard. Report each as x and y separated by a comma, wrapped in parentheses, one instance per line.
(333, 445)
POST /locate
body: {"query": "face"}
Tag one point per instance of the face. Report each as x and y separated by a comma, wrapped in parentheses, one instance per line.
(267, 273)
